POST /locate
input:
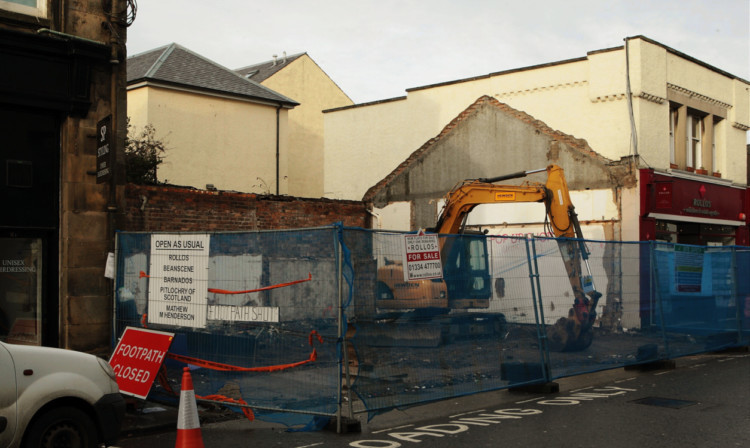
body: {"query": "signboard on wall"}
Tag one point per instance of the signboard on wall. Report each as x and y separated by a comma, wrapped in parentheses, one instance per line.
(243, 313)
(688, 270)
(699, 198)
(178, 279)
(104, 151)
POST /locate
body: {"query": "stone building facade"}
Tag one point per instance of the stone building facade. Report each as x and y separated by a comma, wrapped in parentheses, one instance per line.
(62, 118)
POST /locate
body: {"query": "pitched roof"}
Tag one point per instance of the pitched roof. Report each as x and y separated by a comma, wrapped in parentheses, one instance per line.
(264, 70)
(178, 66)
(427, 147)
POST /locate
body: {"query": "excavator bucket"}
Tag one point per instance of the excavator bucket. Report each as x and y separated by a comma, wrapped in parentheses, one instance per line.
(574, 333)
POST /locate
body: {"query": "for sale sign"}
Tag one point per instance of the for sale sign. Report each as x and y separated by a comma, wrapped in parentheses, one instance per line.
(422, 257)
(137, 359)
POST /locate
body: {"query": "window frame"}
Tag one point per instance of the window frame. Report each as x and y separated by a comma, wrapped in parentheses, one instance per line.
(694, 146)
(684, 108)
(673, 115)
(40, 10)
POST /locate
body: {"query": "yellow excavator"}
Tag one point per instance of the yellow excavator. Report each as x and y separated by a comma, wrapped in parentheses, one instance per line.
(466, 279)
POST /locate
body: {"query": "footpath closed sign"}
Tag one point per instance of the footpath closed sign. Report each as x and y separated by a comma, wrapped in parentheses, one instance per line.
(178, 280)
(422, 256)
(137, 359)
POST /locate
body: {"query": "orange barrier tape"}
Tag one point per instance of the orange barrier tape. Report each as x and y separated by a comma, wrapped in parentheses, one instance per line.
(314, 333)
(230, 368)
(265, 288)
(163, 380)
(245, 410)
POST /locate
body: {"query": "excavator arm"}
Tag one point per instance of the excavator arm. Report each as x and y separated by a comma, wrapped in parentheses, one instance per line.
(462, 199)
(568, 334)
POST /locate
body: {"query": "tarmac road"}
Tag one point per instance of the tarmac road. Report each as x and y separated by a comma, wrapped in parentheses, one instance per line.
(703, 402)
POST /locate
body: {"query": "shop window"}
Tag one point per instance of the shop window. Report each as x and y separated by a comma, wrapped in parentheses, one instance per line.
(695, 233)
(37, 8)
(666, 231)
(19, 173)
(21, 290)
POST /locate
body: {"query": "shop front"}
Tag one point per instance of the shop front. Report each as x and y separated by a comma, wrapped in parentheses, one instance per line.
(695, 210)
(698, 284)
(45, 99)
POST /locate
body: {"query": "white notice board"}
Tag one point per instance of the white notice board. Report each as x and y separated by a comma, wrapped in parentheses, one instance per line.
(178, 279)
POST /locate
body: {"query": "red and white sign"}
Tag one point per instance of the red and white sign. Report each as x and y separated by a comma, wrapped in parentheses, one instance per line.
(137, 359)
(422, 257)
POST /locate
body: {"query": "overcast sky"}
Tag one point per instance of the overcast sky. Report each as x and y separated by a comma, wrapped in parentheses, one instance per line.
(377, 49)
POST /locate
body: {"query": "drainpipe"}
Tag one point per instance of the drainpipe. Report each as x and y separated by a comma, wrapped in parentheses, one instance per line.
(633, 134)
(377, 217)
(278, 121)
(114, 63)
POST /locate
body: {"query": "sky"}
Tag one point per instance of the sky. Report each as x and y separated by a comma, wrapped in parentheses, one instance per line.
(375, 50)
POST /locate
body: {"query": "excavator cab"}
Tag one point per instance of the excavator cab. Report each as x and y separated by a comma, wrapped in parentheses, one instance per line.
(466, 271)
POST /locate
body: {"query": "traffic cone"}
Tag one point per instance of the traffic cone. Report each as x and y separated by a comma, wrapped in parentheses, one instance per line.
(188, 425)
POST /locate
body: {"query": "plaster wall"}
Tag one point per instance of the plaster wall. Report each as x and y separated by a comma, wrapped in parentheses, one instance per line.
(228, 143)
(653, 141)
(394, 216)
(138, 108)
(590, 205)
(363, 145)
(483, 143)
(305, 82)
(630, 206)
(654, 71)
(384, 134)
(585, 98)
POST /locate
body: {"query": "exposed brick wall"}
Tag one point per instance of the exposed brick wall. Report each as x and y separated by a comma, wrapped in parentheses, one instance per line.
(158, 208)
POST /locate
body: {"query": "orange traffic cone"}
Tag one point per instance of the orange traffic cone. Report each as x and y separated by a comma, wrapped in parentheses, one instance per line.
(188, 425)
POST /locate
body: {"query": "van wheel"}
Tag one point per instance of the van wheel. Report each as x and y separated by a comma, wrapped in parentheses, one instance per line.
(63, 427)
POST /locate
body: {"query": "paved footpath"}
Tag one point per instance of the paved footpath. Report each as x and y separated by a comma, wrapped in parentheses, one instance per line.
(703, 402)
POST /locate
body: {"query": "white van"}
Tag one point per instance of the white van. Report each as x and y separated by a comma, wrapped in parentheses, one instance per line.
(52, 397)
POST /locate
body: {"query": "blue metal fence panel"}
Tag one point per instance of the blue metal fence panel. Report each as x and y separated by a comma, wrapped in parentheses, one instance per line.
(269, 296)
(489, 323)
(413, 345)
(622, 333)
(699, 292)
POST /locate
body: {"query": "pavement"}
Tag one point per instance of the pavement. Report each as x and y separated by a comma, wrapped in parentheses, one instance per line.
(145, 417)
